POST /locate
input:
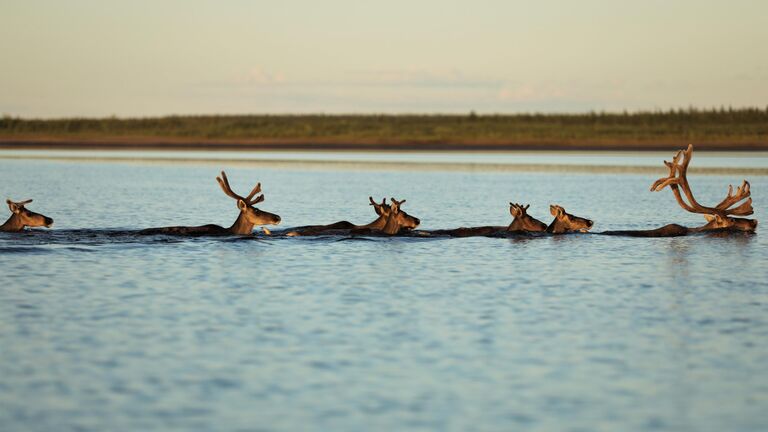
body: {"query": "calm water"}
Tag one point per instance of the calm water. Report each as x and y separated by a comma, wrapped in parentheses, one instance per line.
(703, 159)
(102, 330)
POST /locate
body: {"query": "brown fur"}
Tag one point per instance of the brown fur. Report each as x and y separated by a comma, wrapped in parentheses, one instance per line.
(249, 216)
(391, 220)
(565, 222)
(21, 217)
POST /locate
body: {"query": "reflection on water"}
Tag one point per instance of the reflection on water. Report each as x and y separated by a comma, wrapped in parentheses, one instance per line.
(101, 329)
(652, 159)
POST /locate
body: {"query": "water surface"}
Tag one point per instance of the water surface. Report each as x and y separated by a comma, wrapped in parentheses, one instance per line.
(607, 158)
(103, 330)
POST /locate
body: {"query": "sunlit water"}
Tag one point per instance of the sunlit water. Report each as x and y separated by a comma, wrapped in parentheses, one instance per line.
(104, 330)
(703, 159)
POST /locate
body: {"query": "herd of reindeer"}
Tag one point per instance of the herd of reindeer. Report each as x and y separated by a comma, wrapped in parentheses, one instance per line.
(392, 220)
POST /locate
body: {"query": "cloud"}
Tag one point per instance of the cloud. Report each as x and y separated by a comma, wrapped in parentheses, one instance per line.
(416, 77)
(259, 76)
(528, 92)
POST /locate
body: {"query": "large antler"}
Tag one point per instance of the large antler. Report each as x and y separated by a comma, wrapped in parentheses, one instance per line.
(677, 180)
(224, 183)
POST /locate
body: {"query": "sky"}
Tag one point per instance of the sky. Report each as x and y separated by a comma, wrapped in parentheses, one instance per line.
(146, 58)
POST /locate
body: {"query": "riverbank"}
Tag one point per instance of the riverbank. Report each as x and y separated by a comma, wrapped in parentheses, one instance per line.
(709, 130)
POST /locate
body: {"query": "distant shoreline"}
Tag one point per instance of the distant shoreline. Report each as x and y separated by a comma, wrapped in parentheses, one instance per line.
(343, 145)
(709, 130)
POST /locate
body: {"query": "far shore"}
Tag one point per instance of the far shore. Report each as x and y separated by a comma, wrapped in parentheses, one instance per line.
(148, 143)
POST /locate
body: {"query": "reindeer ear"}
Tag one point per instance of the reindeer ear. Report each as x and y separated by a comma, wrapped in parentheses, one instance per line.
(709, 218)
(12, 206)
(241, 204)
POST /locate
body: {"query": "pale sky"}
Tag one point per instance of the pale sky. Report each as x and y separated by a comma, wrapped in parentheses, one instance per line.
(65, 58)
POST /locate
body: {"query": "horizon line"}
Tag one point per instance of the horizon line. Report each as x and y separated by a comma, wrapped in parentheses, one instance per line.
(470, 113)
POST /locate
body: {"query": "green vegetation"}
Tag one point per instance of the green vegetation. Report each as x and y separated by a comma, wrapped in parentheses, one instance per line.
(717, 125)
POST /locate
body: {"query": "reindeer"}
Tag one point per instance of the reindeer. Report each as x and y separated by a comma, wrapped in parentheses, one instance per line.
(567, 223)
(249, 216)
(521, 223)
(22, 218)
(718, 217)
(342, 227)
(384, 211)
(397, 220)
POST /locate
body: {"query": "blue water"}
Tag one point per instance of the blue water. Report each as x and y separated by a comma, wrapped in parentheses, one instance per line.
(104, 330)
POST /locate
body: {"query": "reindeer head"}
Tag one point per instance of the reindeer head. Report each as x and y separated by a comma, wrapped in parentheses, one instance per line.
(22, 217)
(565, 222)
(250, 214)
(397, 219)
(740, 224)
(522, 222)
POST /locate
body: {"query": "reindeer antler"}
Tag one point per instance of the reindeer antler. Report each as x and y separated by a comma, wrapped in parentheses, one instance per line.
(374, 203)
(20, 203)
(519, 208)
(677, 180)
(396, 204)
(224, 183)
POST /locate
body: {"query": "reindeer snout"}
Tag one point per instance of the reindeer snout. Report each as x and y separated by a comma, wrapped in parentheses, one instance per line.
(590, 223)
(48, 221)
(277, 220)
(416, 221)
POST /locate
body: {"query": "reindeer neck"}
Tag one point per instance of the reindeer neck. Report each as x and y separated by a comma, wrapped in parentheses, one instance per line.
(12, 224)
(516, 225)
(241, 226)
(391, 227)
(706, 227)
(378, 224)
(555, 227)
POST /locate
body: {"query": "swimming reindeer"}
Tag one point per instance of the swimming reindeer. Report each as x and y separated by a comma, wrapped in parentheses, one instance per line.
(397, 220)
(727, 215)
(391, 220)
(21, 217)
(719, 218)
(343, 227)
(522, 222)
(249, 216)
(565, 222)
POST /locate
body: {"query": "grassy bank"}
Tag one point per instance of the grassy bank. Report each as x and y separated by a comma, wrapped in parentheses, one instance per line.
(722, 129)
